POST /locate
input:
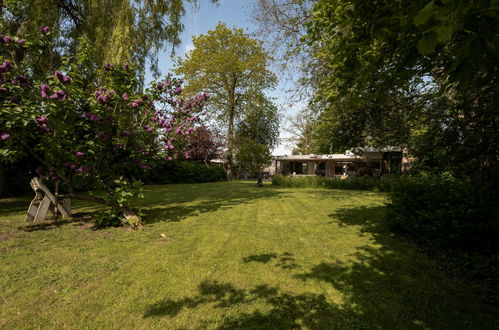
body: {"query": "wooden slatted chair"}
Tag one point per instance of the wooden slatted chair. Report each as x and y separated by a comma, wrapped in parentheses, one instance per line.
(44, 200)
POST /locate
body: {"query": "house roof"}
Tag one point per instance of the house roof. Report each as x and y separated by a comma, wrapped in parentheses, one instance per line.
(348, 155)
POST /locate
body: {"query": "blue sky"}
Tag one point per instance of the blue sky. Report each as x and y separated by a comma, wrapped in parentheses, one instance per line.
(233, 13)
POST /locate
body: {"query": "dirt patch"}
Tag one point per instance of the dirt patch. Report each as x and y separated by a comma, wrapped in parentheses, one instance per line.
(6, 236)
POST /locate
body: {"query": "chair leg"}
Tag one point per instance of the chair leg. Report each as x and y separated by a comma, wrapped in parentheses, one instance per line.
(42, 209)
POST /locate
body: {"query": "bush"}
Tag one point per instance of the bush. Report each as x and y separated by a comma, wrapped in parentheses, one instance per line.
(182, 172)
(354, 183)
(446, 213)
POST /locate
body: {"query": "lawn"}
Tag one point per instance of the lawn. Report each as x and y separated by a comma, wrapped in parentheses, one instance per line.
(232, 256)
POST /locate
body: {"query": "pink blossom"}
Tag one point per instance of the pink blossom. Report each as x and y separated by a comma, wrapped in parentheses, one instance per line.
(44, 29)
(4, 136)
(21, 42)
(107, 66)
(82, 169)
(66, 79)
(42, 119)
(148, 128)
(125, 96)
(7, 39)
(78, 153)
(6, 66)
(59, 75)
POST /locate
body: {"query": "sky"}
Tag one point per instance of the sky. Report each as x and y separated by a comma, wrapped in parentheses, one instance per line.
(233, 13)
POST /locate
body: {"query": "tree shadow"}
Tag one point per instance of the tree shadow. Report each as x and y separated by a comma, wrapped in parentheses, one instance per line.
(200, 201)
(287, 310)
(80, 219)
(394, 283)
(9, 206)
(385, 284)
(284, 260)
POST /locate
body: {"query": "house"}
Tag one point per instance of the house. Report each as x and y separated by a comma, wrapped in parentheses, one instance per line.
(370, 162)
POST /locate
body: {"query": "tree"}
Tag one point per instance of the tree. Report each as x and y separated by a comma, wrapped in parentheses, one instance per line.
(301, 128)
(259, 122)
(413, 72)
(252, 156)
(120, 30)
(203, 145)
(282, 24)
(101, 132)
(232, 67)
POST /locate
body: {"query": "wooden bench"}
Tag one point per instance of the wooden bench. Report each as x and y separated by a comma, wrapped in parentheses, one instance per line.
(45, 200)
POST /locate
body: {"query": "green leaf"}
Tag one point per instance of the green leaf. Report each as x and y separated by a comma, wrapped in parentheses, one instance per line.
(424, 14)
(427, 44)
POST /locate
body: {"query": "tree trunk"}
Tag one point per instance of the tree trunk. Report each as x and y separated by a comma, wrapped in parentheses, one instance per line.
(230, 144)
(127, 212)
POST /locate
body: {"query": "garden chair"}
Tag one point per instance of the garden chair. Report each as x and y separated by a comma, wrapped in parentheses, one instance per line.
(45, 200)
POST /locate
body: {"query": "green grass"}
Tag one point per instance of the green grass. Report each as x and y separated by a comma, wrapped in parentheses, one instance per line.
(235, 256)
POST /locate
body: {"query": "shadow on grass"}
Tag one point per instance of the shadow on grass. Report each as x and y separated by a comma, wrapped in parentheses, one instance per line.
(9, 206)
(81, 219)
(178, 207)
(386, 284)
(288, 311)
(284, 260)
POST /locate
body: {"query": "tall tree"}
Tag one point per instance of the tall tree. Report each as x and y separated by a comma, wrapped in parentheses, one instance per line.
(260, 122)
(232, 67)
(282, 24)
(423, 72)
(301, 128)
(120, 30)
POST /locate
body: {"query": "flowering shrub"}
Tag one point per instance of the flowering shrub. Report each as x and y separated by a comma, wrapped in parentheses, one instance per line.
(101, 128)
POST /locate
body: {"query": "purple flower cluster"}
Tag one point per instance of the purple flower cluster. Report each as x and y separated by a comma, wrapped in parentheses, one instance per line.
(42, 122)
(92, 117)
(78, 153)
(148, 128)
(23, 81)
(45, 89)
(44, 29)
(136, 103)
(103, 95)
(4, 136)
(53, 174)
(62, 78)
(58, 95)
(82, 169)
(6, 66)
